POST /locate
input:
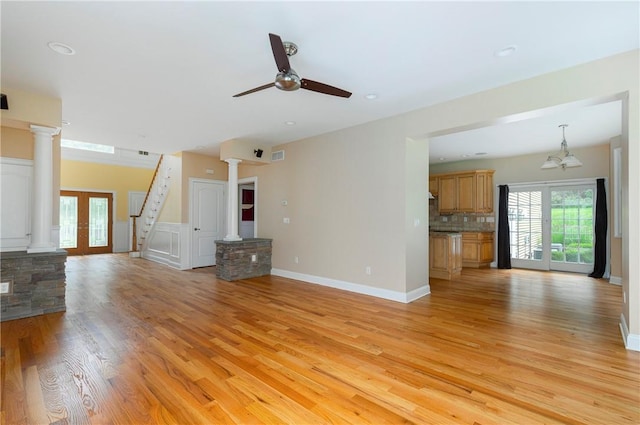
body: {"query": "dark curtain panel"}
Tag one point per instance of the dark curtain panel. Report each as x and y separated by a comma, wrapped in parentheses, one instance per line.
(600, 248)
(504, 248)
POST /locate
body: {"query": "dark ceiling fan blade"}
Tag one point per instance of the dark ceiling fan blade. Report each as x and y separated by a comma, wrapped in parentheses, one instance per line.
(323, 88)
(279, 54)
(266, 86)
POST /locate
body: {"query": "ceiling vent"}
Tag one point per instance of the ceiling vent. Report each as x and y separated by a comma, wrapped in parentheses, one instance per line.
(277, 156)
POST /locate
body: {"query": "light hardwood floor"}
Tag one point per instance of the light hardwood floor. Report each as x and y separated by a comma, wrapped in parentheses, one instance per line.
(142, 343)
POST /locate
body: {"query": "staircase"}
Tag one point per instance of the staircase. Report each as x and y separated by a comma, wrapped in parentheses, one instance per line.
(151, 207)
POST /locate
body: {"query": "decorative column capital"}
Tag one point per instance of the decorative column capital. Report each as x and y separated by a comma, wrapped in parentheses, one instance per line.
(50, 131)
(232, 161)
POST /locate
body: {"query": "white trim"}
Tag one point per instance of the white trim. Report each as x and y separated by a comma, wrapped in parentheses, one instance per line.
(356, 287)
(171, 251)
(615, 280)
(122, 157)
(15, 161)
(256, 206)
(631, 341)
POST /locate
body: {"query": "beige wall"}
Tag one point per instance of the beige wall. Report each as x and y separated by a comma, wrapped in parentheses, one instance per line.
(330, 186)
(30, 108)
(349, 200)
(244, 150)
(16, 143)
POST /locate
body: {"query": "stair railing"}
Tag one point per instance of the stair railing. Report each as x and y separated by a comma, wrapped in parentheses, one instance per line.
(134, 236)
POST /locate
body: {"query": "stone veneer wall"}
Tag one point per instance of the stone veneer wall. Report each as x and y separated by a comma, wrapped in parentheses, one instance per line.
(234, 262)
(38, 283)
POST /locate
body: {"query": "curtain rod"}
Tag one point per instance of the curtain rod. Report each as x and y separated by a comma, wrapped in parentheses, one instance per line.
(558, 182)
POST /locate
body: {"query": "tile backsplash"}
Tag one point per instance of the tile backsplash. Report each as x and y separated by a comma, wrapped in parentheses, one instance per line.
(475, 222)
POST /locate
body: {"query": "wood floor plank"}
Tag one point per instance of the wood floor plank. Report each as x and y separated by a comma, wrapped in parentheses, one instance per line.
(141, 343)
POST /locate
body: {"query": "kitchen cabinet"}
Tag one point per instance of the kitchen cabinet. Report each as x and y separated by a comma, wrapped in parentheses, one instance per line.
(477, 249)
(465, 192)
(433, 186)
(445, 255)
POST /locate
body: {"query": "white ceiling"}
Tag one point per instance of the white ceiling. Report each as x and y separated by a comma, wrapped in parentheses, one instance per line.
(160, 76)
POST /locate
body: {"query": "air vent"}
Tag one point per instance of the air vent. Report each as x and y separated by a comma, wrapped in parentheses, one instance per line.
(277, 156)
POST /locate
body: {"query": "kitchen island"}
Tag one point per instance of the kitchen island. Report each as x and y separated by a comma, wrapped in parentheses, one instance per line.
(445, 255)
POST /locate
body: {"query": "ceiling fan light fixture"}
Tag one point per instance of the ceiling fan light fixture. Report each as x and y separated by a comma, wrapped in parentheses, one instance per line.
(288, 81)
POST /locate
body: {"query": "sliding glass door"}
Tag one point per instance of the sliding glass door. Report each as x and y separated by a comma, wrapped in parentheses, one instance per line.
(552, 228)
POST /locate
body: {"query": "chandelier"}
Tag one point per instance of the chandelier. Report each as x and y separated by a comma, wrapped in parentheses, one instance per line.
(564, 158)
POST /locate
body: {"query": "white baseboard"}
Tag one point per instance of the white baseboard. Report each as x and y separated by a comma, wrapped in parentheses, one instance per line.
(631, 341)
(615, 280)
(356, 287)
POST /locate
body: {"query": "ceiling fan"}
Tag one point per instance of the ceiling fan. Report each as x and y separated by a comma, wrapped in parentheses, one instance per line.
(287, 79)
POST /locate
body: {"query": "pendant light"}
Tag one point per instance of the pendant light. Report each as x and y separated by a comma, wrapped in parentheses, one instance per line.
(564, 158)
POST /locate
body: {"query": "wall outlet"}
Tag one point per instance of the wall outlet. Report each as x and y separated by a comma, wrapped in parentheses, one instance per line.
(254, 258)
(296, 260)
(284, 203)
(445, 218)
(465, 219)
(367, 270)
(208, 171)
(416, 222)
(491, 219)
(5, 287)
(286, 220)
(624, 297)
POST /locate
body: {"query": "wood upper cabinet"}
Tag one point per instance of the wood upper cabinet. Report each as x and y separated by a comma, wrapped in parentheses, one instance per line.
(468, 191)
(484, 191)
(433, 185)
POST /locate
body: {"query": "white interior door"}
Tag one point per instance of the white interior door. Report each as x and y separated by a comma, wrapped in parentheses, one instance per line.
(207, 220)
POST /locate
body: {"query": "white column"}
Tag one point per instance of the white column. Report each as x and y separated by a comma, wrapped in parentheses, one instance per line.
(42, 206)
(232, 207)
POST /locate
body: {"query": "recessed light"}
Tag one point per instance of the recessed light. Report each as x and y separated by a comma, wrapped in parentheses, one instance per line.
(507, 51)
(371, 96)
(61, 48)
(290, 122)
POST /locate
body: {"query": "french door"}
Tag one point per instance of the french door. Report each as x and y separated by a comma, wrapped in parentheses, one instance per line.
(86, 222)
(551, 227)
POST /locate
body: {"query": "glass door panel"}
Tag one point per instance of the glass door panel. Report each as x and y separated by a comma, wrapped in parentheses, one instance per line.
(526, 227)
(68, 222)
(572, 224)
(98, 222)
